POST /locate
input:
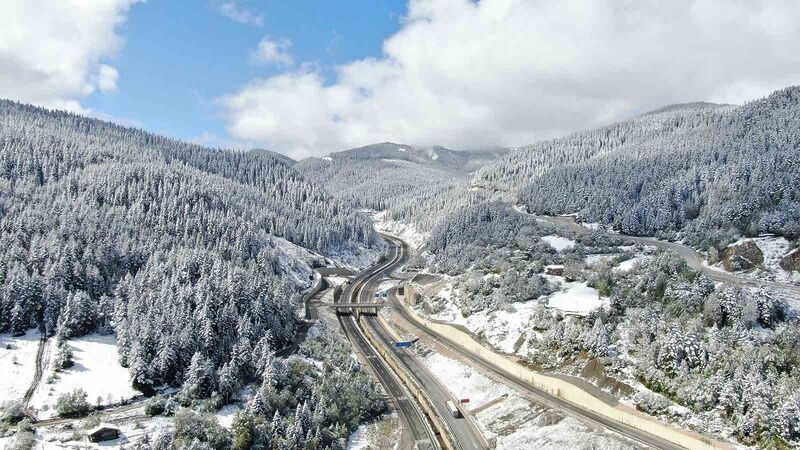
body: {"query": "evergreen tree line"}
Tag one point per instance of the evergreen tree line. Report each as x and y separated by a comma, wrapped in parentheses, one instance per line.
(176, 248)
(707, 173)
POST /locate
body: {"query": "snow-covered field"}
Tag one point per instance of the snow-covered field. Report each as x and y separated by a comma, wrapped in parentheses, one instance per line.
(504, 328)
(96, 370)
(510, 420)
(17, 364)
(558, 242)
(576, 298)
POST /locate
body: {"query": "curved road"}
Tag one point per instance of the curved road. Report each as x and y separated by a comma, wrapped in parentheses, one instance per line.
(545, 398)
(410, 413)
(464, 430)
(693, 259)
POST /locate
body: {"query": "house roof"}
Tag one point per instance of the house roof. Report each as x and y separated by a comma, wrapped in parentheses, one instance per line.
(102, 426)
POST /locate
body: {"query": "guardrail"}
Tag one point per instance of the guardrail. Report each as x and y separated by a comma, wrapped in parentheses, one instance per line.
(564, 390)
(416, 391)
(319, 282)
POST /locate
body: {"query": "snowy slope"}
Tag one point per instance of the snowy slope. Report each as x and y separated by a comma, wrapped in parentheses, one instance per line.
(17, 364)
(96, 370)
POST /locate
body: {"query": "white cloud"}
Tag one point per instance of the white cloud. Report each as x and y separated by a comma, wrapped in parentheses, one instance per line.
(51, 51)
(465, 74)
(272, 51)
(232, 10)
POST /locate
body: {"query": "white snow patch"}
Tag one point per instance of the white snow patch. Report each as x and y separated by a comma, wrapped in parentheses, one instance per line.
(404, 231)
(628, 264)
(401, 149)
(226, 414)
(502, 328)
(578, 298)
(96, 370)
(464, 381)
(592, 225)
(594, 259)
(17, 364)
(559, 243)
(327, 158)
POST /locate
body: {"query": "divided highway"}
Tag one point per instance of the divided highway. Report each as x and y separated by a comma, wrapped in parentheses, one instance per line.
(410, 413)
(545, 398)
(464, 431)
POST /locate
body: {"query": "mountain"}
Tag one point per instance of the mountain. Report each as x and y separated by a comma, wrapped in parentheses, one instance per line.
(706, 172)
(403, 179)
(193, 257)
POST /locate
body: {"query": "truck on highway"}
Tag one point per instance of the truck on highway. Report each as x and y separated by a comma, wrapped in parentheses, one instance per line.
(453, 409)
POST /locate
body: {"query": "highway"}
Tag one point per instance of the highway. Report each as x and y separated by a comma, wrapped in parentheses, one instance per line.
(542, 397)
(411, 414)
(464, 431)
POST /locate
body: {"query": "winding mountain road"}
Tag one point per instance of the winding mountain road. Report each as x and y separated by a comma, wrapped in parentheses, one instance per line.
(693, 259)
(411, 414)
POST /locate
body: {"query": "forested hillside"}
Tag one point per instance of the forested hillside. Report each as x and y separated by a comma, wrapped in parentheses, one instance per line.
(417, 185)
(711, 172)
(179, 249)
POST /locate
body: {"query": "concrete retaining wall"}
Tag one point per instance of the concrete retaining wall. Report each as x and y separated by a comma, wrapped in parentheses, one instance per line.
(569, 392)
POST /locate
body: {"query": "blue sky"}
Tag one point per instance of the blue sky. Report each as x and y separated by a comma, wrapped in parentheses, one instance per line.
(306, 78)
(176, 60)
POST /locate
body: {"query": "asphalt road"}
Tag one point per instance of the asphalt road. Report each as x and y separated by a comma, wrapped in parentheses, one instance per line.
(464, 431)
(693, 259)
(543, 397)
(422, 436)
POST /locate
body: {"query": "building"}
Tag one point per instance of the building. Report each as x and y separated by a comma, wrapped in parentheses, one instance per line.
(555, 270)
(103, 432)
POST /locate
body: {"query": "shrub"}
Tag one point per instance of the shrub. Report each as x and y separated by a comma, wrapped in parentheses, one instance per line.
(73, 404)
(155, 406)
(12, 411)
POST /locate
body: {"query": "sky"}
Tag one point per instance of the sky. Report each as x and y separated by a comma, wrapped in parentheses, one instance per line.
(306, 78)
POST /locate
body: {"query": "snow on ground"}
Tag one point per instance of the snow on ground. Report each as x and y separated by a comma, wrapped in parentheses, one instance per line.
(629, 264)
(774, 249)
(17, 364)
(504, 328)
(518, 423)
(226, 414)
(578, 298)
(96, 370)
(594, 259)
(464, 381)
(592, 225)
(558, 242)
(131, 430)
(512, 421)
(336, 280)
(397, 161)
(400, 229)
(378, 435)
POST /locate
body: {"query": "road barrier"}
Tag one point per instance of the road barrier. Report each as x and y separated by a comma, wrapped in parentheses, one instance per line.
(416, 391)
(319, 282)
(565, 390)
